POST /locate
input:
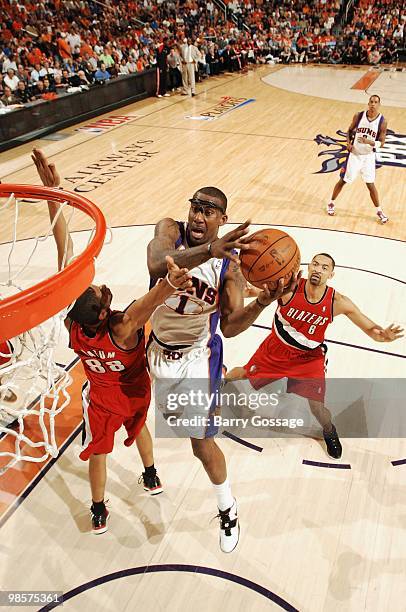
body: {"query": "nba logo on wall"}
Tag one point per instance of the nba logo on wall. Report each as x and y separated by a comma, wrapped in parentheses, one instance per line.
(393, 153)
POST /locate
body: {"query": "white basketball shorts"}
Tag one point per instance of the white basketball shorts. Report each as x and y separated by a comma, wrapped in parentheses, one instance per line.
(185, 386)
(360, 164)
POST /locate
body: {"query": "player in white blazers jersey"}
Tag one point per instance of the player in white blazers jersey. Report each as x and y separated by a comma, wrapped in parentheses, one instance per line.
(366, 134)
(184, 345)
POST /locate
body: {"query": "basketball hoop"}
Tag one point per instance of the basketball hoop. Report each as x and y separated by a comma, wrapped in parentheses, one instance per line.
(31, 322)
(30, 307)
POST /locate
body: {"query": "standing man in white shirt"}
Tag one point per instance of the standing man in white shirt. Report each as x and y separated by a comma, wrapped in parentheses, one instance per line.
(190, 55)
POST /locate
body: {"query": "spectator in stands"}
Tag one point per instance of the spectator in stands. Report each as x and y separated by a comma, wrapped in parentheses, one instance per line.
(8, 98)
(106, 57)
(285, 54)
(9, 62)
(49, 86)
(22, 94)
(374, 56)
(91, 62)
(35, 74)
(174, 64)
(64, 50)
(83, 80)
(131, 65)
(203, 68)
(102, 75)
(123, 68)
(161, 55)
(213, 59)
(46, 70)
(73, 38)
(38, 90)
(59, 85)
(11, 79)
(65, 80)
(23, 74)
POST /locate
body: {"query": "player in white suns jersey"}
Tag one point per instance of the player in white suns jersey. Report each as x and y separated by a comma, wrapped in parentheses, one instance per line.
(366, 134)
(184, 345)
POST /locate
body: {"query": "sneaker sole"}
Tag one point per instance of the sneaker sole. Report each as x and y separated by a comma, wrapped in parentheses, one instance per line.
(156, 491)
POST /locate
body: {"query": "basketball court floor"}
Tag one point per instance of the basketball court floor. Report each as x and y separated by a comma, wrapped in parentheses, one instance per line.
(315, 536)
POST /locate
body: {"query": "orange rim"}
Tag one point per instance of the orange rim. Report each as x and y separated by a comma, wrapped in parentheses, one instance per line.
(34, 305)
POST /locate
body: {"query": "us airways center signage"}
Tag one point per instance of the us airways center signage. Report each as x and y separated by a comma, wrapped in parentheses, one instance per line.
(111, 166)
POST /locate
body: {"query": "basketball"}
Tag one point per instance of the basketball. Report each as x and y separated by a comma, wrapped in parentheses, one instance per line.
(272, 255)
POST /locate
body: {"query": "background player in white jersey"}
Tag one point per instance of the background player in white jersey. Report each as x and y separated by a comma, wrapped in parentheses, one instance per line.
(365, 135)
(183, 344)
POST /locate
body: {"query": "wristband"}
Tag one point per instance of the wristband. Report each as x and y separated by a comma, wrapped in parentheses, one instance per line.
(259, 304)
(169, 282)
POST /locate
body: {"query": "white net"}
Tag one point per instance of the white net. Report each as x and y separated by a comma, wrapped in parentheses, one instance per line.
(33, 386)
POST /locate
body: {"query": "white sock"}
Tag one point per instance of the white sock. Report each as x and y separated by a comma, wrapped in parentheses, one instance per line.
(223, 494)
(378, 209)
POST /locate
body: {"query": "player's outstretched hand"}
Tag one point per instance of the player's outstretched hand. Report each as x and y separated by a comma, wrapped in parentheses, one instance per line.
(267, 295)
(47, 171)
(224, 247)
(391, 333)
(177, 277)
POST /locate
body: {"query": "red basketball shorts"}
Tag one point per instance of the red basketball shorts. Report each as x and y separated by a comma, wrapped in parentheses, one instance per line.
(305, 371)
(100, 423)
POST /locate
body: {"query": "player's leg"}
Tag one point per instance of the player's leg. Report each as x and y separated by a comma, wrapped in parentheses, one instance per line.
(191, 71)
(214, 463)
(373, 192)
(323, 415)
(149, 476)
(97, 478)
(368, 173)
(348, 174)
(97, 442)
(336, 191)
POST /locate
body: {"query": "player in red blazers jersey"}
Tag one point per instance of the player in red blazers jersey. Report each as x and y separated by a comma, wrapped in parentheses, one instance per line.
(111, 347)
(295, 347)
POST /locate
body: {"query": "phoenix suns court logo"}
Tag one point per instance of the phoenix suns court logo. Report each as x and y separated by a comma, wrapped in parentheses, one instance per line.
(392, 154)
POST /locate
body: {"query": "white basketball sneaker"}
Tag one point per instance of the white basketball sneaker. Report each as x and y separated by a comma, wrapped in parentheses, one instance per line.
(331, 209)
(382, 217)
(229, 528)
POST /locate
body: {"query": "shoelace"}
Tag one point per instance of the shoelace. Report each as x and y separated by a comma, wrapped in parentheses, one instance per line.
(147, 479)
(226, 524)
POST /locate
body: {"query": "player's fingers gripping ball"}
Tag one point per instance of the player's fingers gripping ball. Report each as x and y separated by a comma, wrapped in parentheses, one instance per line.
(272, 254)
